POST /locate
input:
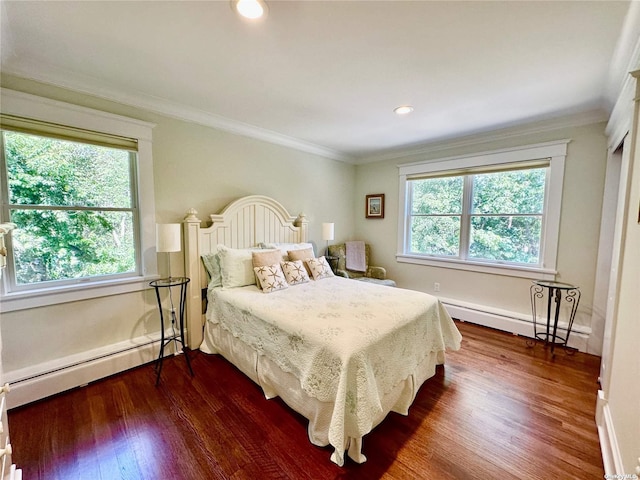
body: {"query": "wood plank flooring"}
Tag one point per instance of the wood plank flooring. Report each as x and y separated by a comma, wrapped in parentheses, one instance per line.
(497, 409)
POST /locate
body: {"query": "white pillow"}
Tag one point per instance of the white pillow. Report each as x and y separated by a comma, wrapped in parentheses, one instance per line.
(271, 278)
(236, 266)
(319, 268)
(211, 263)
(285, 247)
(294, 272)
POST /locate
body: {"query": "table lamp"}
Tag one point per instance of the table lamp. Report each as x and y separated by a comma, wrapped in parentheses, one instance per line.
(168, 240)
(328, 233)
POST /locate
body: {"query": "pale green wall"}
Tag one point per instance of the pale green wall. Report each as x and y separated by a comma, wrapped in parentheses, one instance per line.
(204, 168)
(194, 166)
(579, 230)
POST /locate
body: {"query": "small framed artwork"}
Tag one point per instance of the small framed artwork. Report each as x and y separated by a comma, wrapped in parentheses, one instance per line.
(375, 206)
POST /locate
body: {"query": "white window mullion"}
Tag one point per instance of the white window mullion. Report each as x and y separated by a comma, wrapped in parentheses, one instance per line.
(465, 219)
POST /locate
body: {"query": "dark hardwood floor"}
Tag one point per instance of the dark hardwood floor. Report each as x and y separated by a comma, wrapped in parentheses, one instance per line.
(497, 409)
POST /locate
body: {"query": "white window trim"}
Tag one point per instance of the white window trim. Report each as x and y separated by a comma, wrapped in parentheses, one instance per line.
(31, 106)
(555, 151)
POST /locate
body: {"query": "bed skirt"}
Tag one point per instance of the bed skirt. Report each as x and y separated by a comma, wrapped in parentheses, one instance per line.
(277, 383)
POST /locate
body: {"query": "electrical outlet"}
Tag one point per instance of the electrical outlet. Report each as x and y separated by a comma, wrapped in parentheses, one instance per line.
(436, 287)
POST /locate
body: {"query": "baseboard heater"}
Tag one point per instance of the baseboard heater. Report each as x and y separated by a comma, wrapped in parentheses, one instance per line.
(40, 381)
(512, 322)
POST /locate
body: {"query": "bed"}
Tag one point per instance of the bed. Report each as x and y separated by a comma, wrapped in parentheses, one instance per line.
(341, 353)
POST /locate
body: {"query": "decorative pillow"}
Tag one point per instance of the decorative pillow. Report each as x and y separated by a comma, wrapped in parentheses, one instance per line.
(285, 247)
(236, 266)
(271, 278)
(211, 263)
(266, 257)
(263, 258)
(295, 272)
(302, 254)
(319, 268)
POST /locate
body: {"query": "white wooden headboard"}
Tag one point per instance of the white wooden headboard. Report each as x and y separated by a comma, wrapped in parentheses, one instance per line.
(244, 223)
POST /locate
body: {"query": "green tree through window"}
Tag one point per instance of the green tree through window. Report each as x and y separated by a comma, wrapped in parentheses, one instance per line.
(436, 211)
(74, 207)
(495, 216)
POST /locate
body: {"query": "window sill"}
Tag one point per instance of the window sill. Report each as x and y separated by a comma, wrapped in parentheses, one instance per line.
(480, 267)
(24, 300)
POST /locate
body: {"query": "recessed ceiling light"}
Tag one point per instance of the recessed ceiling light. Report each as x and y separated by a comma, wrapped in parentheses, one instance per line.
(403, 110)
(251, 9)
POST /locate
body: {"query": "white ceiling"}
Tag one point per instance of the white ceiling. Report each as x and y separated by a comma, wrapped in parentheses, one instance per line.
(325, 76)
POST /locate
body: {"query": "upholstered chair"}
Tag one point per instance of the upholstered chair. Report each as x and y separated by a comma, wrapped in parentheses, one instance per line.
(339, 264)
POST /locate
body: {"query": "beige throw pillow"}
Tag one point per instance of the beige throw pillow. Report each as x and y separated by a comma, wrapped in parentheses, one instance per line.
(303, 255)
(264, 258)
(285, 247)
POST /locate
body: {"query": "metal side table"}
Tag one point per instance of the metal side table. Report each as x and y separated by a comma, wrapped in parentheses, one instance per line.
(333, 262)
(177, 337)
(560, 294)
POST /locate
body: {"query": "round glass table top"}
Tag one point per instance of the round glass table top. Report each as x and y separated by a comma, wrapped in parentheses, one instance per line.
(169, 282)
(558, 285)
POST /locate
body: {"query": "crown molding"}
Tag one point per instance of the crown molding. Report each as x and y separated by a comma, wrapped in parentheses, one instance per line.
(89, 85)
(620, 120)
(626, 55)
(540, 126)
(85, 84)
(622, 112)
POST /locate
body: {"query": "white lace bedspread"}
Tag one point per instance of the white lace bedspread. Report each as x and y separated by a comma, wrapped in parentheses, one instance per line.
(347, 342)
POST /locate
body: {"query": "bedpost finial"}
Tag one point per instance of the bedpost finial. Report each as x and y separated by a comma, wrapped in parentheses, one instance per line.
(192, 216)
(302, 219)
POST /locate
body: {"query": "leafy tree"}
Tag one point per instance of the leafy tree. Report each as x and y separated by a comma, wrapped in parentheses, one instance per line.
(505, 218)
(72, 205)
(509, 206)
(436, 209)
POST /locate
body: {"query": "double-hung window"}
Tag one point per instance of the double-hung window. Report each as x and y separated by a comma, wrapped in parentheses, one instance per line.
(495, 212)
(74, 204)
(71, 181)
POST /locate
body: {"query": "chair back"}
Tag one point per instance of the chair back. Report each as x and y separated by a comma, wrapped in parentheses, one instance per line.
(340, 252)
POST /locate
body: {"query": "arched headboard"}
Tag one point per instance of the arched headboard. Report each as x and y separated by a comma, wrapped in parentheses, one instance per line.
(243, 223)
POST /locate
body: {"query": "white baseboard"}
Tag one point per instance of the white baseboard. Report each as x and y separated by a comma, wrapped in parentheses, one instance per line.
(46, 379)
(42, 380)
(511, 322)
(611, 456)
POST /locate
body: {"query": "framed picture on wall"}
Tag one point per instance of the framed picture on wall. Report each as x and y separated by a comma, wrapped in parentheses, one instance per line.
(375, 206)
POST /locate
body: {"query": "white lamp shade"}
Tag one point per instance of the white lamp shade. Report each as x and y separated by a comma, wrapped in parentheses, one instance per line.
(168, 237)
(328, 231)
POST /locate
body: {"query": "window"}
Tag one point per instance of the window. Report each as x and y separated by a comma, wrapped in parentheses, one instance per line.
(74, 206)
(78, 183)
(502, 223)
(495, 212)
